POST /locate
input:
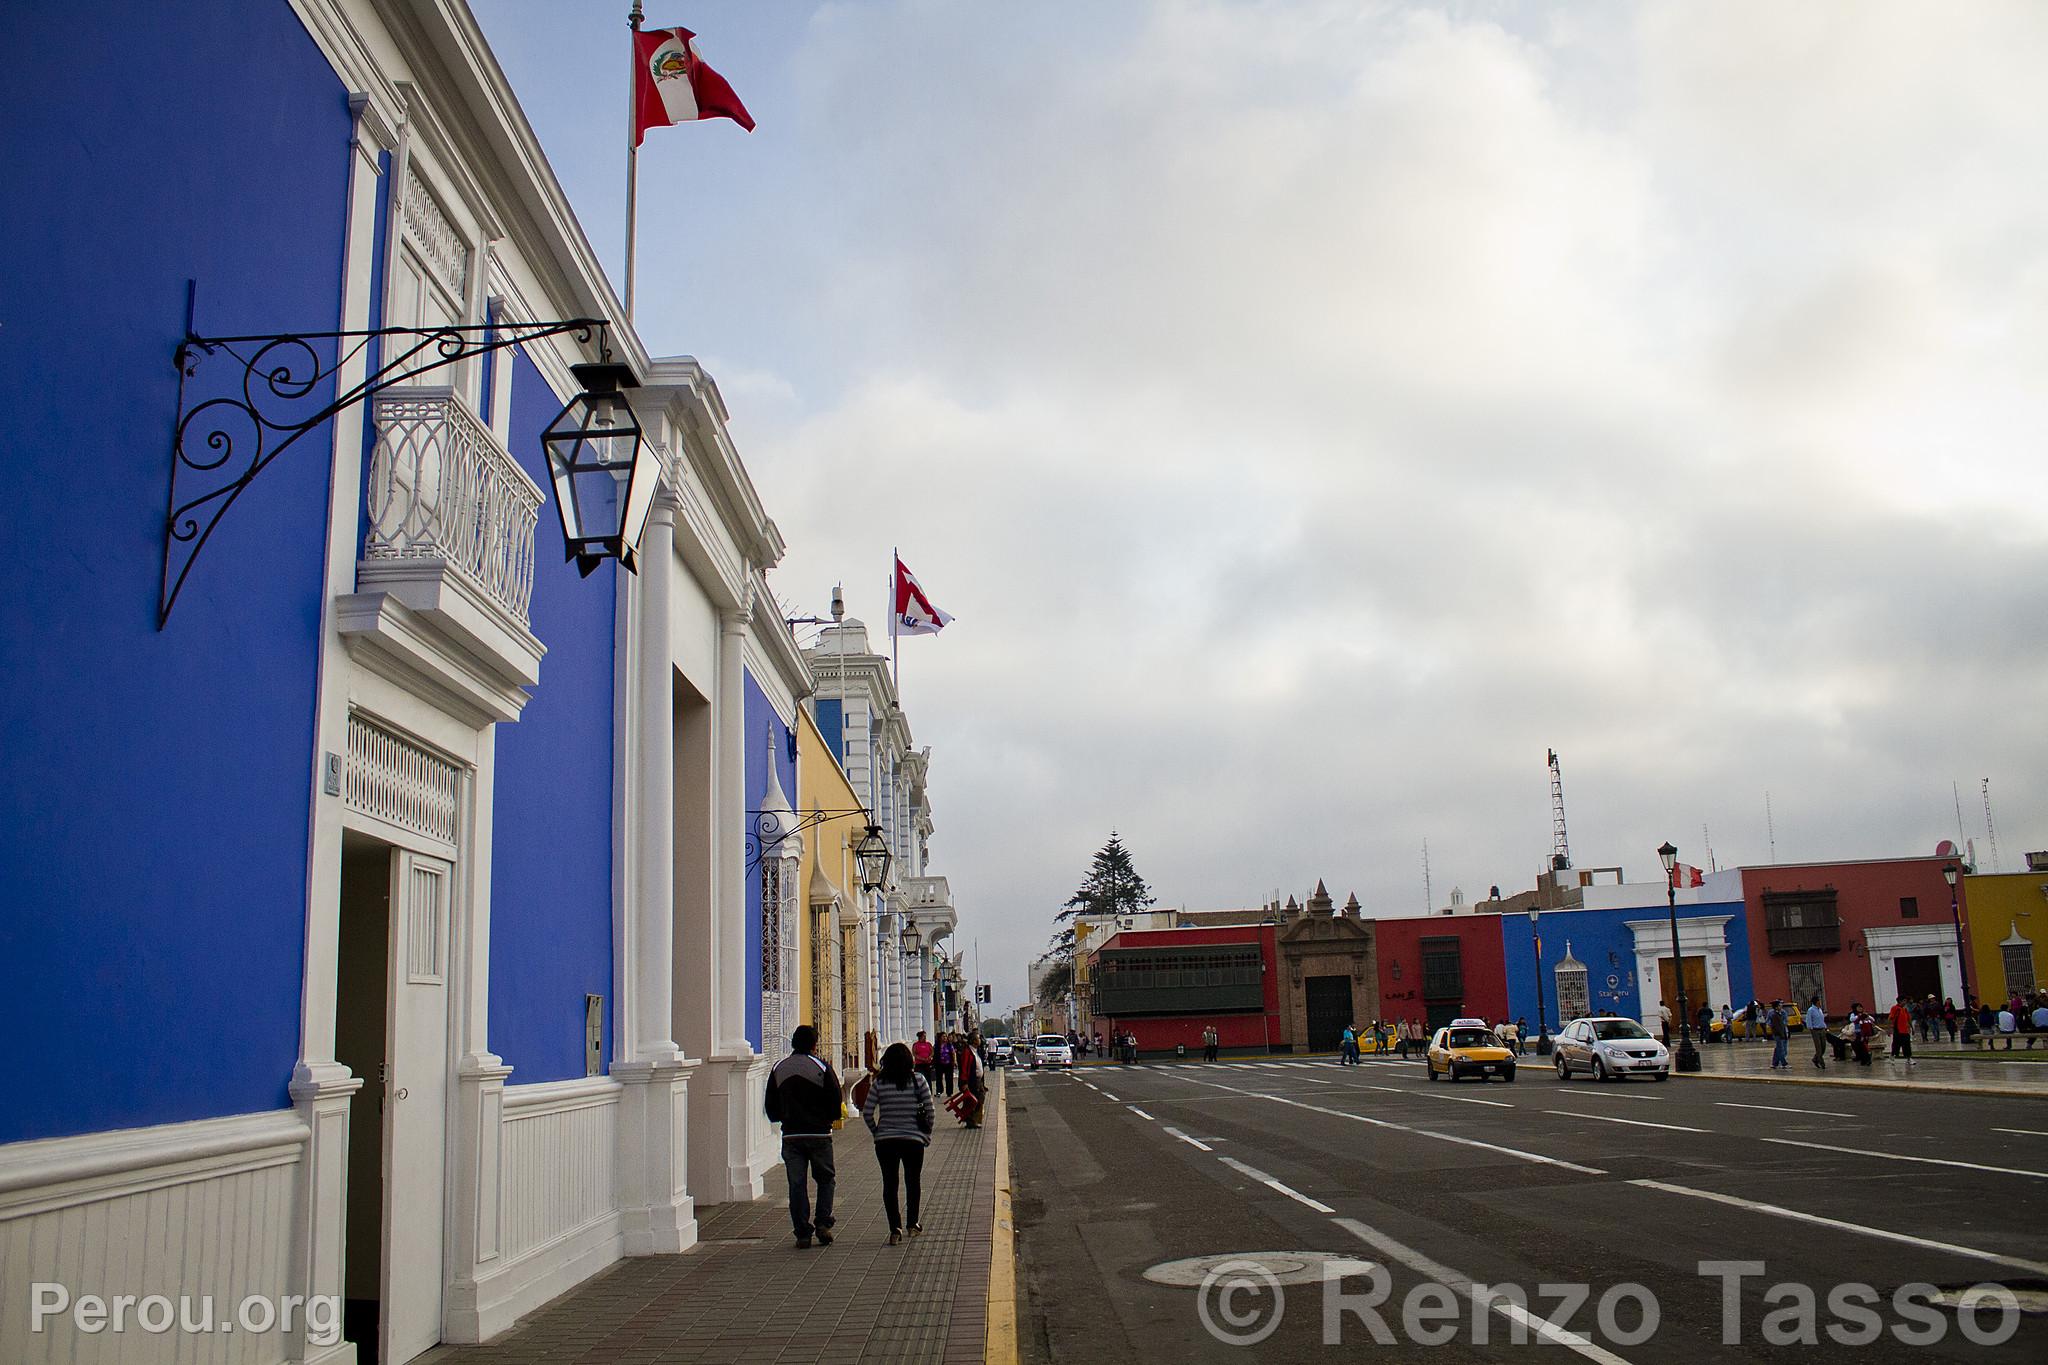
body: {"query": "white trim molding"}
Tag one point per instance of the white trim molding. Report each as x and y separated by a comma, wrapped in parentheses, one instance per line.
(1887, 942)
(1698, 936)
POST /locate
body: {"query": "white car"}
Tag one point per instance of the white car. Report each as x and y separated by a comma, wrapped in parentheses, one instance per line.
(1050, 1049)
(1000, 1053)
(1611, 1048)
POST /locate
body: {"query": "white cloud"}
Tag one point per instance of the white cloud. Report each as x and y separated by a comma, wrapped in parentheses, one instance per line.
(1313, 412)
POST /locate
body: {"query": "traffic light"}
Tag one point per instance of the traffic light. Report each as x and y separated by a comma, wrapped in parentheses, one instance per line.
(985, 994)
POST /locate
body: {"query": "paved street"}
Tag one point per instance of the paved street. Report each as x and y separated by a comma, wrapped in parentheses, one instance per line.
(1121, 1169)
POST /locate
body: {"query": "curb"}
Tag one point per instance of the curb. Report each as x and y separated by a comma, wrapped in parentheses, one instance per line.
(2005, 1092)
(1001, 1345)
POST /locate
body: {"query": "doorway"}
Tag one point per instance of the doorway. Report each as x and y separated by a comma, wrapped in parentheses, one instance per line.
(1918, 978)
(391, 1029)
(1695, 990)
(1329, 1009)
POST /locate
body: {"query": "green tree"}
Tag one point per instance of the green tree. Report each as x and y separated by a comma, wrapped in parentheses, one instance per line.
(1112, 887)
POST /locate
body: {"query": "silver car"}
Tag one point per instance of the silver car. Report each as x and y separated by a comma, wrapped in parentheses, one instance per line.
(1611, 1048)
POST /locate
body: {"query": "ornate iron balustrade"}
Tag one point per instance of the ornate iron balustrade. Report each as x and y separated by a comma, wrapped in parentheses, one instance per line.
(441, 487)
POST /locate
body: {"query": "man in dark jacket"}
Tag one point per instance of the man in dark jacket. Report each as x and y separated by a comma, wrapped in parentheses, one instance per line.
(804, 1097)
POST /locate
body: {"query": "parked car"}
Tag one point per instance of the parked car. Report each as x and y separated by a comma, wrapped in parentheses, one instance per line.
(1049, 1049)
(1001, 1052)
(1469, 1047)
(1611, 1048)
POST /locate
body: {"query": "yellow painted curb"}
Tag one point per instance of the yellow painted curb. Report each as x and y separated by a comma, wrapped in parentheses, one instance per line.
(1000, 1347)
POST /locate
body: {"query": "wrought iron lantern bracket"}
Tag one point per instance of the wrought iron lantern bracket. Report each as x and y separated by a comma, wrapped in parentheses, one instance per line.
(765, 832)
(271, 395)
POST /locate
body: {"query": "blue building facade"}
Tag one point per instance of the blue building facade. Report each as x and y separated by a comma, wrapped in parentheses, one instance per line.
(342, 940)
(156, 784)
(1620, 961)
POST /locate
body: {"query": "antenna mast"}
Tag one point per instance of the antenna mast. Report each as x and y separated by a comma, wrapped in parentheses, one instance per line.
(1770, 829)
(1991, 830)
(1428, 896)
(1560, 847)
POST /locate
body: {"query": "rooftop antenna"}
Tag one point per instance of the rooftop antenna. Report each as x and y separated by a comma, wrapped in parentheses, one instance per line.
(1770, 829)
(1956, 792)
(1560, 847)
(1991, 830)
(1428, 896)
(1708, 844)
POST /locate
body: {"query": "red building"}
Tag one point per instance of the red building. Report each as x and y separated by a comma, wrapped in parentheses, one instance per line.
(1166, 985)
(1436, 968)
(1866, 932)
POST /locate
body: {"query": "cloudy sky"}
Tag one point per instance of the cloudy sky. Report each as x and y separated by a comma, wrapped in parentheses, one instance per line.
(1313, 412)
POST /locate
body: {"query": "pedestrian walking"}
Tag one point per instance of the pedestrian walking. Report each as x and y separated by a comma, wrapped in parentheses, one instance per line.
(921, 1057)
(942, 1060)
(1780, 1033)
(1347, 1048)
(1862, 1028)
(1510, 1036)
(1727, 1023)
(1211, 1041)
(1948, 1018)
(1901, 1017)
(1664, 1018)
(966, 1106)
(1817, 1027)
(900, 1114)
(805, 1098)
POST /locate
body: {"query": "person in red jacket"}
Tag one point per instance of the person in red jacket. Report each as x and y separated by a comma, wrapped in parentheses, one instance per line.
(1900, 1017)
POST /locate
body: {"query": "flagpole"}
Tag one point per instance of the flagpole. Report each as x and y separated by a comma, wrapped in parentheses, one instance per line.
(895, 640)
(632, 149)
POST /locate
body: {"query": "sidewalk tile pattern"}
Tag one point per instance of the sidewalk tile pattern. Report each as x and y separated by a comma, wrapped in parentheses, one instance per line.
(745, 1294)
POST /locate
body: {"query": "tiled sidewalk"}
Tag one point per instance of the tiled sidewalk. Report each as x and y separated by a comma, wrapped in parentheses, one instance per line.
(746, 1294)
(1980, 1074)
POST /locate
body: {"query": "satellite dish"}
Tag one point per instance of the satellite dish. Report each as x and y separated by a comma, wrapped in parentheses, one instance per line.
(1945, 849)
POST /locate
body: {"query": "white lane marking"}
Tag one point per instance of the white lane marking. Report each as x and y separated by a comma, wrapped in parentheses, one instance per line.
(1093, 1086)
(1296, 1195)
(1896, 1156)
(1192, 1142)
(1444, 1275)
(1389, 1124)
(1140, 1113)
(1106, 1095)
(1781, 1109)
(2023, 1132)
(1318, 1080)
(1596, 1093)
(1633, 1123)
(1437, 1095)
(1779, 1211)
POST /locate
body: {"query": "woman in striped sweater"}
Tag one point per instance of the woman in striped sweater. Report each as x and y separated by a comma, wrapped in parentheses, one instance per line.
(899, 1113)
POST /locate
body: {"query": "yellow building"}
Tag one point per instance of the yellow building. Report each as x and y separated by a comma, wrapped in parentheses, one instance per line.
(2008, 920)
(833, 976)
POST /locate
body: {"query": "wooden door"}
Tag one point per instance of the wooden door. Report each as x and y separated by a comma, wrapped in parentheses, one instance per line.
(1695, 989)
(416, 1106)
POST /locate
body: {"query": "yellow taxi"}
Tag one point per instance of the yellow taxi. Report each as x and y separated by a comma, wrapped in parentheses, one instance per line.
(1469, 1047)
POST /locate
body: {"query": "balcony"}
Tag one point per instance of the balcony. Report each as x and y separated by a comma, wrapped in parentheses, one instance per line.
(929, 903)
(446, 577)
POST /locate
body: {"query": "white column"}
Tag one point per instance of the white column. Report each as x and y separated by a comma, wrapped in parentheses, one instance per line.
(654, 1109)
(729, 1148)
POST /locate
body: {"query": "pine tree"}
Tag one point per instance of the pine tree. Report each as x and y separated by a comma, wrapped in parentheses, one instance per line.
(1112, 887)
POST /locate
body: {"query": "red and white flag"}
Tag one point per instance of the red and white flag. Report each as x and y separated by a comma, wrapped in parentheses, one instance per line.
(1684, 875)
(671, 84)
(915, 614)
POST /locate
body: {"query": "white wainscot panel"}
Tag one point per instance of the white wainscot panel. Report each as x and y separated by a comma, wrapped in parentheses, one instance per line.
(186, 1209)
(559, 1173)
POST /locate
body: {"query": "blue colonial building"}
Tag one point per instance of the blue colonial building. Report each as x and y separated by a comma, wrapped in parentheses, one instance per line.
(380, 922)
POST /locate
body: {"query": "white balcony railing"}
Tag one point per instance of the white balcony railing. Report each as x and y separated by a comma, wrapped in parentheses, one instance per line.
(441, 487)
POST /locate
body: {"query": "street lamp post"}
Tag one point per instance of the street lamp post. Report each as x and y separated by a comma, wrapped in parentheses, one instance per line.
(1542, 1028)
(1688, 1057)
(1955, 914)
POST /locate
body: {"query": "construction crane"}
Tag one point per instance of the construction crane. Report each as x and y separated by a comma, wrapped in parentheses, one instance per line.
(1560, 847)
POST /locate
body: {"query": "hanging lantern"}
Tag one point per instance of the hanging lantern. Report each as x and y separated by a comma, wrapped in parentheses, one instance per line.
(872, 854)
(603, 473)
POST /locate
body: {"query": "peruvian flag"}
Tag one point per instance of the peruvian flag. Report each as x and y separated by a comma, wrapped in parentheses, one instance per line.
(915, 614)
(1684, 875)
(671, 84)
